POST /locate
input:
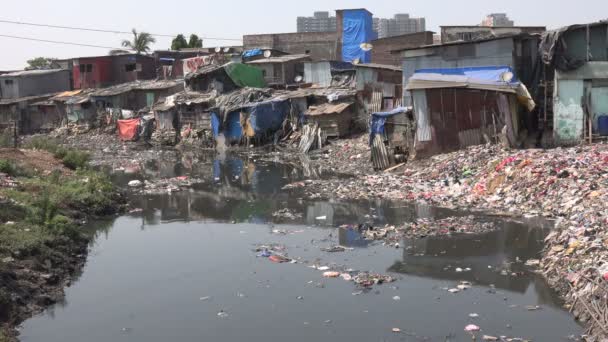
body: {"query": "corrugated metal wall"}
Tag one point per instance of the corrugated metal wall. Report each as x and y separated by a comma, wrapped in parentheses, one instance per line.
(318, 73)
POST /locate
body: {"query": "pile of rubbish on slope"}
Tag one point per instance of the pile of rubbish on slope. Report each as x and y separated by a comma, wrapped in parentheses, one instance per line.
(570, 184)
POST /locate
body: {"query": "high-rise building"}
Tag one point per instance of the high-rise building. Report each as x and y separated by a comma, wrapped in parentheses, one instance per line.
(497, 19)
(400, 24)
(319, 22)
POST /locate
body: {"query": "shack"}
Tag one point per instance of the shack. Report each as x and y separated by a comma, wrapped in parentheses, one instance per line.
(75, 107)
(224, 78)
(334, 119)
(391, 137)
(185, 111)
(16, 110)
(42, 116)
(573, 82)
(281, 71)
(136, 95)
(380, 86)
(19, 84)
(105, 71)
(460, 107)
(329, 73)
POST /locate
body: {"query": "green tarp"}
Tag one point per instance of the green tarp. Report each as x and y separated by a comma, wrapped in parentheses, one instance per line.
(245, 76)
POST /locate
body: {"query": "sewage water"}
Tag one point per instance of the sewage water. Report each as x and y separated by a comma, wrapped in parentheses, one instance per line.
(185, 269)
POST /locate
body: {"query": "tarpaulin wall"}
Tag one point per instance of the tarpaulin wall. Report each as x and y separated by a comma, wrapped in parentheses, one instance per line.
(268, 117)
(358, 29)
(127, 129)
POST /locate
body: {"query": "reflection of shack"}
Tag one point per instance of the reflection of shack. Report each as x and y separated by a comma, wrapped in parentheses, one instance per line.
(18, 110)
(380, 86)
(391, 137)
(460, 107)
(329, 73)
(281, 71)
(437, 257)
(224, 78)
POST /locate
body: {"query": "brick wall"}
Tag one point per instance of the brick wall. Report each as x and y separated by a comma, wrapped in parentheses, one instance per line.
(381, 53)
(319, 45)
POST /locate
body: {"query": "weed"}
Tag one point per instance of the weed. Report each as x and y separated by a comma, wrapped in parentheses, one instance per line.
(7, 167)
(76, 159)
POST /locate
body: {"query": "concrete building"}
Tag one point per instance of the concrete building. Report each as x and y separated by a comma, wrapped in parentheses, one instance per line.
(319, 22)
(318, 45)
(472, 33)
(33, 82)
(400, 24)
(382, 52)
(497, 19)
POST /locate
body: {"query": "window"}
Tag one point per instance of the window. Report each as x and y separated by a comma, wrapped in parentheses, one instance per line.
(8, 82)
(130, 67)
(86, 67)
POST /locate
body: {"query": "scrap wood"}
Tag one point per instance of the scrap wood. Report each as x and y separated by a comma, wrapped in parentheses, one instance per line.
(394, 167)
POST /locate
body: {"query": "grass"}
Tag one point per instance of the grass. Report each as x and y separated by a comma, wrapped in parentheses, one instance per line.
(44, 207)
(72, 159)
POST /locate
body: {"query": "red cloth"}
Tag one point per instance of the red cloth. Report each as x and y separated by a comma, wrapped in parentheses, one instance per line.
(127, 129)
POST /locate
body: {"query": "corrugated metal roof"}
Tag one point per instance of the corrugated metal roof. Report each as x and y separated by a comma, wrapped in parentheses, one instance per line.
(32, 72)
(328, 108)
(280, 59)
(379, 66)
(68, 93)
(25, 99)
(137, 85)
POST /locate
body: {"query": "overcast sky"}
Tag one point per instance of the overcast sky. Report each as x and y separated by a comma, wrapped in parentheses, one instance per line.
(232, 19)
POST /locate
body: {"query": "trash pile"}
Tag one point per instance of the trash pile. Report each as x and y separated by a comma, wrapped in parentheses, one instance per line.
(570, 184)
(286, 214)
(166, 185)
(423, 227)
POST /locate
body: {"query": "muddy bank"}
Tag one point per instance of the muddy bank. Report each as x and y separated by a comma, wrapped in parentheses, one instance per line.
(44, 202)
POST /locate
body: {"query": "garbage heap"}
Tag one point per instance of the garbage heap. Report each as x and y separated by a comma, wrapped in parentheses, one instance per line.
(569, 184)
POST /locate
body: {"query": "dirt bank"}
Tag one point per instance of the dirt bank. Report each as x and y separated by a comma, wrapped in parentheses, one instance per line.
(43, 204)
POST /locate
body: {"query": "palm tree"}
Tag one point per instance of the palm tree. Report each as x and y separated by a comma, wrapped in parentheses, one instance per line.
(141, 42)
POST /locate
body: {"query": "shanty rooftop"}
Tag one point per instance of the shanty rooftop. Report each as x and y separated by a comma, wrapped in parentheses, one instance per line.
(280, 59)
(32, 72)
(137, 85)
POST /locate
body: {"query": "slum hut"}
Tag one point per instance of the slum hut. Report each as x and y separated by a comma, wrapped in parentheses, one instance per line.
(380, 86)
(20, 84)
(329, 73)
(76, 107)
(42, 116)
(391, 137)
(281, 71)
(518, 51)
(224, 78)
(137, 95)
(459, 107)
(109, 70)
(16, 110)
(184, 111)
(573, 91)
(334, 119)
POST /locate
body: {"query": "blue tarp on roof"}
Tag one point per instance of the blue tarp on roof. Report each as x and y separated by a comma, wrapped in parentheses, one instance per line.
(485, 74)
(379, 119)
(252, 53)
(358, 29)
(268, 117)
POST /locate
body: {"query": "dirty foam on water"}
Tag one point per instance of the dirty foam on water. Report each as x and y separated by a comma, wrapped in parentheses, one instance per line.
(185, 269)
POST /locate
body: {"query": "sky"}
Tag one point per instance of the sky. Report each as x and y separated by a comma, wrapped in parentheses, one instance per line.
(233, 19)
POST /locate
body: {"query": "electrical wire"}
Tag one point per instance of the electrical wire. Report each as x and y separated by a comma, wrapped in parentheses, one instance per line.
(61, 42)
(100, 30)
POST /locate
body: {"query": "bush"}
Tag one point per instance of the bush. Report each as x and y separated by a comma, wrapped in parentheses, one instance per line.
(60, 153)
(76, 159)
(43, 143)
(7, 167)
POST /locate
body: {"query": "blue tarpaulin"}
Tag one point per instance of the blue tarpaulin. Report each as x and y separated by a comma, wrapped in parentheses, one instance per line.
(485, 74)
(379, 119)
(233, 132)
(268, 117)
(252, 53)
(358, 29)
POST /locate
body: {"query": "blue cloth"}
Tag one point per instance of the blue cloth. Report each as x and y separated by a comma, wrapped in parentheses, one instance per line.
(267, 117)
(215, 124)
(233, 132)
(378, 121)
(486, 74)
(252, 53)
(358, 29)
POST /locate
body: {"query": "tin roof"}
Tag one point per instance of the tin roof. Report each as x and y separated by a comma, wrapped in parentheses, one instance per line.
(328, 108)
(379, 66)
(280, 59)
(137, 85)
(32, 72)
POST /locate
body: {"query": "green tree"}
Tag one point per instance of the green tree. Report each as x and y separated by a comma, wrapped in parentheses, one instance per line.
(179, 42)
(195, 41)
(140, 43)
(39, 63)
